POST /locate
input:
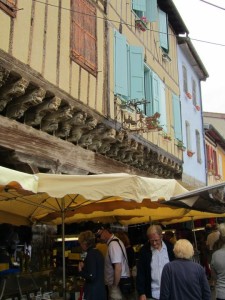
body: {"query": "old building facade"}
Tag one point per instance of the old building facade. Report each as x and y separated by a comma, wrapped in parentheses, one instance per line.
(90, 86)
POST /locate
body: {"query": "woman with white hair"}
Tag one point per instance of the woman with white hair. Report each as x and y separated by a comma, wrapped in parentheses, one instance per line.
(183, 279)
(218, 264)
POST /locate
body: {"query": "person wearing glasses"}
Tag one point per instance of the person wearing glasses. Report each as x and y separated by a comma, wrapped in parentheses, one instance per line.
(152, 258)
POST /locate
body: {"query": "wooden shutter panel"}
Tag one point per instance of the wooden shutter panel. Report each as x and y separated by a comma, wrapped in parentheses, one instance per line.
(139, 5)
(148, 93)
(163, 30)
(136, 72)
(120, 65)
(84, 50)
(9, 7)
(162, 105)
(155, 93)
(151, 10)
(177, 118)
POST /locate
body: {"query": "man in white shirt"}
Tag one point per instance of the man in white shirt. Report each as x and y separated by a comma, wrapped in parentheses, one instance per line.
(152, 258)
(116, 263)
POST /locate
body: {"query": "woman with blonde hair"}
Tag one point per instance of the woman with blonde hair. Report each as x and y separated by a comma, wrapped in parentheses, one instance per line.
(183, 278)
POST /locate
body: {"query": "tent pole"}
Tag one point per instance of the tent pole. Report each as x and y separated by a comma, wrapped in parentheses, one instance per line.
(196, 253)
(63, 250)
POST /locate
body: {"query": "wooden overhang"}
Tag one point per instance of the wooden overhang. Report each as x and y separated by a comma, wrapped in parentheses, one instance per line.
(42, 128)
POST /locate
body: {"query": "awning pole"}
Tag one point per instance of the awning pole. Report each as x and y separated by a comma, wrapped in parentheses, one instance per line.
(63, 250)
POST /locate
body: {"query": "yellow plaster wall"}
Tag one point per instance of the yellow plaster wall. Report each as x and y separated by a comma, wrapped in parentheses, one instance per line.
(37, 45)
(4, 31)
(21, 32)
(64, 74)
(51, 43)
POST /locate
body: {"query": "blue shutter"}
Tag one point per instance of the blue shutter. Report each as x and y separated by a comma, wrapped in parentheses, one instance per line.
(177, 117)
(148, 92)
(163, 35)
(136, 73)
(139, 5)
(162, 105)
(155, 93)
(151, 10)
(120, 65)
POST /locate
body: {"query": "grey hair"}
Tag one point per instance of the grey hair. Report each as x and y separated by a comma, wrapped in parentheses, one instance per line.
(154, 229)
(183, 249)
(221, 229)
(87, 237)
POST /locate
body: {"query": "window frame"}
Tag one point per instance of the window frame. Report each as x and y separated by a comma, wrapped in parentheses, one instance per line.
(9, 7)
(198, 146)
(82, 59)
(185, 82)
(194, 90)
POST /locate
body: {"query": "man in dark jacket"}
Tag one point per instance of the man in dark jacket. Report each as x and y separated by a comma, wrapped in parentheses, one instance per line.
(152, 258)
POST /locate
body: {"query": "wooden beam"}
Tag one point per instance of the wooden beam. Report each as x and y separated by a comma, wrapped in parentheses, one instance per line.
(39, 148)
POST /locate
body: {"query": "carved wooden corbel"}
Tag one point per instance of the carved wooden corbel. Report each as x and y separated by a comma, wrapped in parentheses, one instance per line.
(17, 107)
(34, 116)
(13, 90)
(51, 121)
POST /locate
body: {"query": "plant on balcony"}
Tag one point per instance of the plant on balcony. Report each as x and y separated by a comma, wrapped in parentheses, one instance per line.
(166, 136)
(152, 122)
(180, 145)
(190, 153)
(197, 107)
(217, 177)
(189, 96)
(141, 24)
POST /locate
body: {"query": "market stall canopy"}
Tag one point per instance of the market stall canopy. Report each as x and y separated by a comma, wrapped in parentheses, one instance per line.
(43, 197)
(207, 199)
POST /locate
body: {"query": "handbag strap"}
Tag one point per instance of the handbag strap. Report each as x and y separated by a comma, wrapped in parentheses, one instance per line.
(117, 240)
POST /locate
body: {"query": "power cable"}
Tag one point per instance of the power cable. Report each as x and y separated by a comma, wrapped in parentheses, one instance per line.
(213, 4)
(124, 23)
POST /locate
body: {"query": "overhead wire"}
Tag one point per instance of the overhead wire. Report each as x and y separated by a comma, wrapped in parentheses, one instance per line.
(124, 23)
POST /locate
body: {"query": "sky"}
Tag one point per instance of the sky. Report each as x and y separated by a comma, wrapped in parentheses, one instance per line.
(207, 23)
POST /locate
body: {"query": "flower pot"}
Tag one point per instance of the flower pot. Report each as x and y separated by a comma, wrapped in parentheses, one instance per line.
(141, 24)
(197, 107)
(188, 95)
(190, 153)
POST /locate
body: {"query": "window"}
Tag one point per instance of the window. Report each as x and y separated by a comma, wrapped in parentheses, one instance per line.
(212, 164)
(9, 6)
(194, 92)
(188, 135)
(198, 146)
(146, 8)
(185, 85)
(133, 80)
(177, 118)
(129, 69)
(83, 40)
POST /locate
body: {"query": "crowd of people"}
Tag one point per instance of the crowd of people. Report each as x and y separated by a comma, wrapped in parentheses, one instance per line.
(164, 268)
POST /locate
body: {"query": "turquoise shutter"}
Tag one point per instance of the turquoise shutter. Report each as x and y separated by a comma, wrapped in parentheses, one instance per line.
(120, 65)
(162, 105)
(177, 117)
(155, 93)
(139, 5)
(148, 92)
(163, 35)
(136, 73)
(151, 10)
